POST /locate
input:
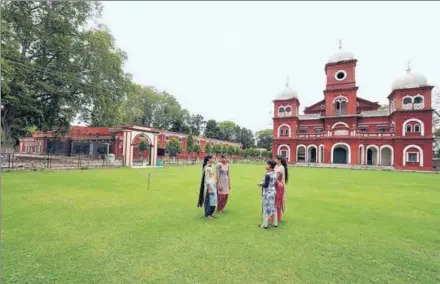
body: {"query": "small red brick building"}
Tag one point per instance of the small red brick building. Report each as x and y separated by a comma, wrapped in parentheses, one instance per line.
(123, 142)
(345, 129)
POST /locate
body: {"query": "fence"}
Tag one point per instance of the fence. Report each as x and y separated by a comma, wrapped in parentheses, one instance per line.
(19, 161)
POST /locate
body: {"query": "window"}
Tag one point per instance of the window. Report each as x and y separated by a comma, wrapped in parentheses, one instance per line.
(363, 128)
(413, 157)
(283, 153)
(407, 103)
(318, 130)
(417, 128)
(340, 104)
(418, 100)
(408, 128)
(281, 111)
(303, 131)
(381, 128)
(285, 132)
(288, 111)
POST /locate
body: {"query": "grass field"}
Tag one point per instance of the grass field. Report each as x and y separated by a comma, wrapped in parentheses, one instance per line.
(104, 226)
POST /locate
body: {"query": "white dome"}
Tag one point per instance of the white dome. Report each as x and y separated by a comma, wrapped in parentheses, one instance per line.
(287, 94)
(409, 80)
(340, 55)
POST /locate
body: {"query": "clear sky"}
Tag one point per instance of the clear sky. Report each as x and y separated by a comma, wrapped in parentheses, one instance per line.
(228, 60)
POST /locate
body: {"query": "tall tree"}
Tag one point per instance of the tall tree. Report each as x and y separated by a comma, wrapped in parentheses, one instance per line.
(209, 149)
(106, 81)
(43, 60)
(173, 147)
(246, 138)
(228, 130)
(211, 129)
(264, 139)
(197, 124)
(189, 143)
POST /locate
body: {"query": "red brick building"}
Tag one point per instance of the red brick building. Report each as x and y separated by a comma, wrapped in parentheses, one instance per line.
(345, 129)
(123, 142)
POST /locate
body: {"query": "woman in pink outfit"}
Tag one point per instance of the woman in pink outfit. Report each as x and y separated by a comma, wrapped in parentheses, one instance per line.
(223, 184)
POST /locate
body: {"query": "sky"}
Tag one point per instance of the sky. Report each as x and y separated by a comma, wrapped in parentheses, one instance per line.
(228, 60)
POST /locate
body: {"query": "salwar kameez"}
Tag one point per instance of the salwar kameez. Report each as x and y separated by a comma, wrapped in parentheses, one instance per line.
(210, 192)
(280, 168)
(268, 199)
(223, 185)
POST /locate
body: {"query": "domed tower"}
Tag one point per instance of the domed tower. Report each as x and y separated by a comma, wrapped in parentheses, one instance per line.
(286, 109)
(340, 92)
(410, 100)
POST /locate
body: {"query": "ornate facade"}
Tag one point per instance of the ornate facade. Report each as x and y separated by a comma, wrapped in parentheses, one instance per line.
(345, 129)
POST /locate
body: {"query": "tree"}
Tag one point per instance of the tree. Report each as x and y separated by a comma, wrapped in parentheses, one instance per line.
(173, 147)
(217, 148)
(228, 130)
(179, 122)
(209, 149)
(264, 139)
(246, 138)
(45, 64)
(143, 146)
(197, 123)
(189, 143)
(197, 149)
(230, 150)
(211, 129)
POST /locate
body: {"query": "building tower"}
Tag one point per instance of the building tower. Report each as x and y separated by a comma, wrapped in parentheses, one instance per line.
(286, 110)
(340, 92)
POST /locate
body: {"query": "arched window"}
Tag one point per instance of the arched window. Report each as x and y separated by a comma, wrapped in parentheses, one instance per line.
(281, 111)
(417, 128)
(284, 130)
(407, 103)
(418, 102)
(340, 105)
(408, 128)
(288, 111)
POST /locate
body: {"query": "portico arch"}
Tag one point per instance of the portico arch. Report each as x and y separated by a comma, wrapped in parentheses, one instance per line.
(341, 153)
(130, 135)
(312, 154)
(372, 155)
(386, 155)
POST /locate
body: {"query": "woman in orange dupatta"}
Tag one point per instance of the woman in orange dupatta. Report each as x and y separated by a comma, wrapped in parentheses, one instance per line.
(281, 168)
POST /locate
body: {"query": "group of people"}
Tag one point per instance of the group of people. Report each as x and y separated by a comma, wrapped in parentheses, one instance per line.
(216, 185)
(214, 188)
(273, 192)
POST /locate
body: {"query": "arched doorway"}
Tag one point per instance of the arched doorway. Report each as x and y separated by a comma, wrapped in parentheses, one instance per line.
(284, 151)
(372, 155)
(386, 156)
(341, 154)
(311, 154)
(301, 154)
(141, 150)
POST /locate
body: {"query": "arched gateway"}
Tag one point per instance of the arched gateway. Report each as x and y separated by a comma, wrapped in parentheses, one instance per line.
(341, 153)
(131, 135)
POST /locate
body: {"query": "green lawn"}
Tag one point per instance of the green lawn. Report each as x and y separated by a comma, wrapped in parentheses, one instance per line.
(104, 226)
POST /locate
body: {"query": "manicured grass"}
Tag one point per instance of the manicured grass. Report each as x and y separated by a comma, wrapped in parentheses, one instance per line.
(104, 226)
